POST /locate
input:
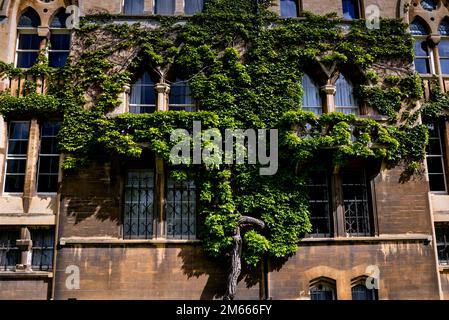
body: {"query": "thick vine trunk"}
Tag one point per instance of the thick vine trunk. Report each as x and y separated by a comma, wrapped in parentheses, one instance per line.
(236, 254)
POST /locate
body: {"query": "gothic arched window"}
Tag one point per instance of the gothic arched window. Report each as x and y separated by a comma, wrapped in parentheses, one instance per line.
(420, 31)
(28, 43)
(59, 48)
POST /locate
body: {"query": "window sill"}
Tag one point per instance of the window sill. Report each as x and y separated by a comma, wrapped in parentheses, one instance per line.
(120, 242)
(443, 267)
(426, 239)
(25, 274)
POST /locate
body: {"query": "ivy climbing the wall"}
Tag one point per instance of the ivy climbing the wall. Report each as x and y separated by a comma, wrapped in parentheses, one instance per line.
(244, 66)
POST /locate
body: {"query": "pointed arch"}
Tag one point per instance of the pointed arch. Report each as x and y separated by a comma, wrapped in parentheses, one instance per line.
(443, 28)
(419, 27)
(59, 19)
(323, 288)
(29, 41)
(60, 39)
(360, 291)
(345, 101)
(312, 98)
(29, 19)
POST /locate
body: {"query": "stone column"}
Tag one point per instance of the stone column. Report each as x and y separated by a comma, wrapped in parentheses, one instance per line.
(179, 7)
(330, 91)
(148, 7)
(25, 245)
(31, 166)
(162, 90)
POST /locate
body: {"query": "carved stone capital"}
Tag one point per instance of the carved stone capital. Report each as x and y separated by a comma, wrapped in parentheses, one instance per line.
(162, 88)
(329, 89)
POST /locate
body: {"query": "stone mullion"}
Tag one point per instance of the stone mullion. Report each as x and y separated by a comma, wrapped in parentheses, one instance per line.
(330, 91)
(25, 245)
(338, 204)
(29, 189)
(162, 91)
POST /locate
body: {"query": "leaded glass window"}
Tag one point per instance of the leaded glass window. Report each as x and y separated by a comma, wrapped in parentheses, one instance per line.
(361, 292)
(356, 204)
(442, 237)
(323, 290)
(435, 159)
(319, 204)
(43, 248)
(140, 209)
(9, 252)
(181, 209)
(429, 5)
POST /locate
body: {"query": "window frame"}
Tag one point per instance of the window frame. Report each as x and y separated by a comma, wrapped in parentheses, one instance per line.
(46, 155)
(358, 10)
(444, 243)
(166, 214)
(61, 31)
(164, 14)
(15, 157)
(191, 14)
(181, 106)
(155, 218)
(430, 58)
(26, 31)
(325, 283)
(42, 249)
(132, 14)
(13, 246)
(442, 157)
(356, 106)
(138, 106)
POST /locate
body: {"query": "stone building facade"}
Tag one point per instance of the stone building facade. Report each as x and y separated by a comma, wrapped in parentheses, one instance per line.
(51, 221)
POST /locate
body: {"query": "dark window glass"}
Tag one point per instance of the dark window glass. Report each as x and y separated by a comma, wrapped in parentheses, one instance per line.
(289, 8)
(60, 19)
(29, 41)
(26, 59)
(192, 7)
(345, 100)
(9, 252)
(323, 291)
(43, 248)
(350, 9)
(443, 49)
(165, 7)
(134, 7)
(355, 198)
(48, 167)
(418, 27)
(181, 209)
(435, 159)
(429, 5)
(361, 292)
(443, 28)
(442, 237)
(29, 19)
(139, 205)
(180, 97)
(59, 49)
(319, 204)
(17, 156)
(143, 97)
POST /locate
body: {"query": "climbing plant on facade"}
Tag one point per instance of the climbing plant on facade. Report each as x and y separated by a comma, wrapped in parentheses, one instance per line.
(244, 66)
